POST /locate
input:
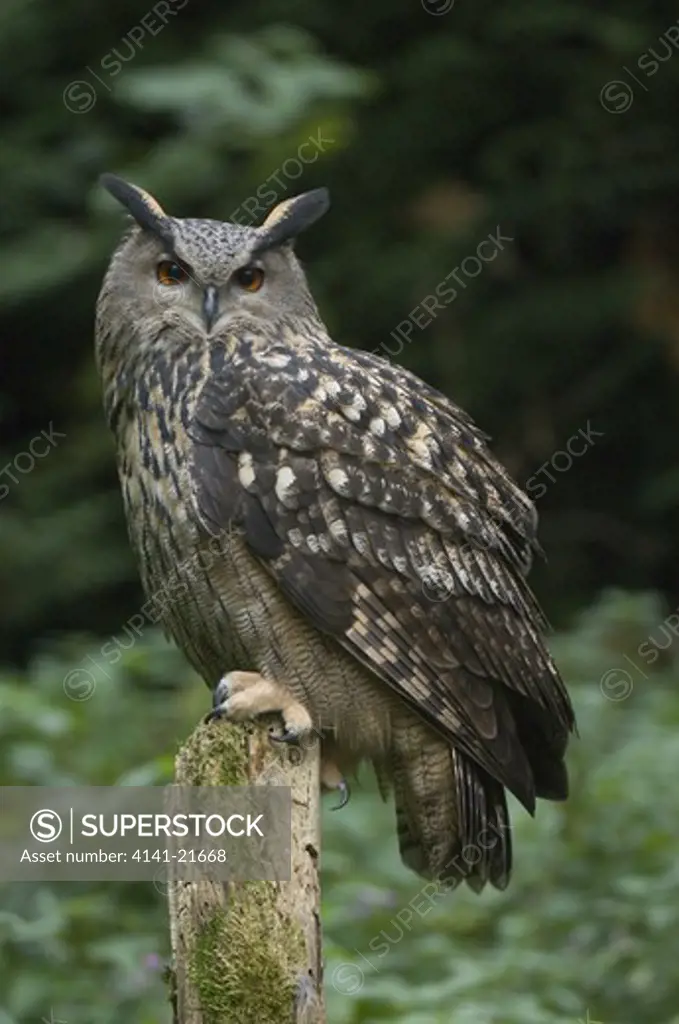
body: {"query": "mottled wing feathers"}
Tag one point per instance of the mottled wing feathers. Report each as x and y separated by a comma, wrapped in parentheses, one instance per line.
(485, 839)
(514, 510)
(378, 508)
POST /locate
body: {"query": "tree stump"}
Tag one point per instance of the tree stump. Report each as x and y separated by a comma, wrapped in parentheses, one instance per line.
(250, 952)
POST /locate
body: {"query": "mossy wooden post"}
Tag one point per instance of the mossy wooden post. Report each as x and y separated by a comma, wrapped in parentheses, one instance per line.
(250, 952)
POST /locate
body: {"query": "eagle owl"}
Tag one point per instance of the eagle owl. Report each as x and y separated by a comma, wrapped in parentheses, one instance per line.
(334, 540)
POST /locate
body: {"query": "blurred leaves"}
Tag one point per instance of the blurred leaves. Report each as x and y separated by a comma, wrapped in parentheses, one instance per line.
(247, 88)
(49, 256)
(588, 920)
(92, 951)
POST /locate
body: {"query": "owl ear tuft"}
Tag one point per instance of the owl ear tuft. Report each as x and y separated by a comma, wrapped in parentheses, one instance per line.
(146, 210)
(289, 218)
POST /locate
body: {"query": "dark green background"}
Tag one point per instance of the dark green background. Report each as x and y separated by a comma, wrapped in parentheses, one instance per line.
(444, 127)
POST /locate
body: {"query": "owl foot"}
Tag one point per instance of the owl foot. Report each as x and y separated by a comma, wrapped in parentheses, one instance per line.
(241, 696)
(332, 778)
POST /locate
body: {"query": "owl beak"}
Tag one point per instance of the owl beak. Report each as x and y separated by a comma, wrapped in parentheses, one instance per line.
(210, 305)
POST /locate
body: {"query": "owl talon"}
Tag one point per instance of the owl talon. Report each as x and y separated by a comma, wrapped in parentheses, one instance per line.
(244, 696)
(287, 736)
(220, 700)
(222, 691)
(333, 779)
(345, 795)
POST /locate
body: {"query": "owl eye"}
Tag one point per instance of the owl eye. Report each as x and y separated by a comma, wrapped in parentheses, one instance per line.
(170, 273)
(250, 278)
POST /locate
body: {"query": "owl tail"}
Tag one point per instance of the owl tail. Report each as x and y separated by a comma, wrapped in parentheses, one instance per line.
(451, 816)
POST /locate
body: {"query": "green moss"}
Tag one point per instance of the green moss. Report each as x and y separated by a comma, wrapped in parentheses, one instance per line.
(247, 960)
(215, 755)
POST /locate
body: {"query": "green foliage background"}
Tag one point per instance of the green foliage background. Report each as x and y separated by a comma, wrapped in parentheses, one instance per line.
(437, 130)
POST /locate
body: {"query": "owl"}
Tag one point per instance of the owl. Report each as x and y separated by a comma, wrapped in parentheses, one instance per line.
(326, 537)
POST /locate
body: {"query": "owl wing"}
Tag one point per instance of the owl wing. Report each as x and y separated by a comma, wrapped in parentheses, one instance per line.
(378, 508)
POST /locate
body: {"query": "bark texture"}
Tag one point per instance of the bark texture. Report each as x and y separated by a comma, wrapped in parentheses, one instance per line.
(250, 952)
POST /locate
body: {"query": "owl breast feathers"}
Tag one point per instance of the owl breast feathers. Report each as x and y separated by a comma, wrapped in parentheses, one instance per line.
(372, 514)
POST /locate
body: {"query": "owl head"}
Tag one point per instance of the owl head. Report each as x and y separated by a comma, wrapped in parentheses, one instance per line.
(174, 281)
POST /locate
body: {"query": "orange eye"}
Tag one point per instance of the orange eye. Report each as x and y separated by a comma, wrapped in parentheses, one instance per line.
(250, 278)
(170, 273)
